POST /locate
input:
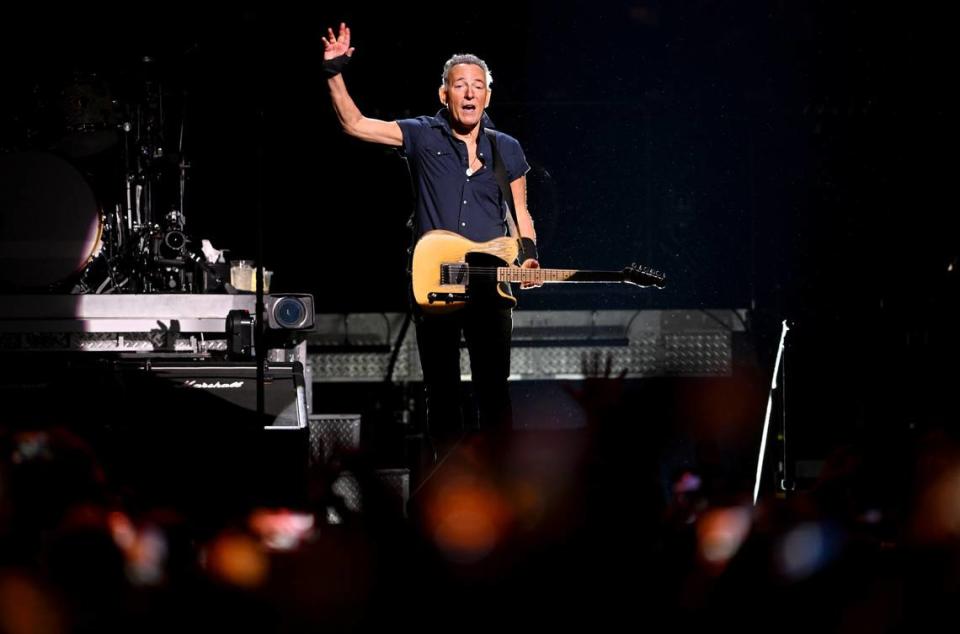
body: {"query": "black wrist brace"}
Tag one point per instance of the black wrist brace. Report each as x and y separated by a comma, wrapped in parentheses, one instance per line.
(528, 250)
(335, 66)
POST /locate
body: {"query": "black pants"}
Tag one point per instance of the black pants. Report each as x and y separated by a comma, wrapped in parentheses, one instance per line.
(486, 330)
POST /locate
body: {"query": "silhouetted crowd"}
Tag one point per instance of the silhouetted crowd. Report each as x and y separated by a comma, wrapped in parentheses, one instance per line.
(544, 529)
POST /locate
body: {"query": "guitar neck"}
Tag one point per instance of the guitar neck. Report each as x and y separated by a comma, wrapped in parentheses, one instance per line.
(541, 276)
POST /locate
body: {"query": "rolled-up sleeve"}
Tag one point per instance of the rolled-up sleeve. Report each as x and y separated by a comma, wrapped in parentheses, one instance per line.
(513, 158)
(413, 130)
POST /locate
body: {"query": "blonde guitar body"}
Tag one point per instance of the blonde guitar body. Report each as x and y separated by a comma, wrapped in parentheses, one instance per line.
(435, 249)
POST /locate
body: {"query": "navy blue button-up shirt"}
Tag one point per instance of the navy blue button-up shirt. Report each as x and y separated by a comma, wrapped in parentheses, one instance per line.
(446, 197)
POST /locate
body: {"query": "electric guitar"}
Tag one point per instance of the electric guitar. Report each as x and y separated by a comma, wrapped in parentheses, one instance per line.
(450, 270)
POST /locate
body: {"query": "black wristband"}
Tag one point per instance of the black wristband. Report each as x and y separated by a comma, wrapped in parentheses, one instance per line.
(335, 66)
(528, 250)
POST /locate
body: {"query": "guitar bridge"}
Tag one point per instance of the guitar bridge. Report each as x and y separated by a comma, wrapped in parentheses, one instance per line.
(447, 298)
(454, 273)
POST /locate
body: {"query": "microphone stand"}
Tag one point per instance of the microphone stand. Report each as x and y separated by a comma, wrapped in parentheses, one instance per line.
(766, 420)
(258, 322)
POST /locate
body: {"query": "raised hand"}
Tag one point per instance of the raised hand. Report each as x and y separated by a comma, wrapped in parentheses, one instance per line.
(337, 45)
(602, 390)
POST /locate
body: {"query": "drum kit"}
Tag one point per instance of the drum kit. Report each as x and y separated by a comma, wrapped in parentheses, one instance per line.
(92, 197)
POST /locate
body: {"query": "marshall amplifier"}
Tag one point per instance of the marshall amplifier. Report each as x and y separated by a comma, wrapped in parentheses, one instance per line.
(72, 389)
(227, 389)
(180, 432)
(194, 425)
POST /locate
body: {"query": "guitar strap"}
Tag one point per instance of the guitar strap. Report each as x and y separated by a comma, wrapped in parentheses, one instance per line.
(500, 171)
(412, 220)
(414, 311)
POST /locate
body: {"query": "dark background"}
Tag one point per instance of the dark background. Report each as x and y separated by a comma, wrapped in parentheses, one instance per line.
(787, 157)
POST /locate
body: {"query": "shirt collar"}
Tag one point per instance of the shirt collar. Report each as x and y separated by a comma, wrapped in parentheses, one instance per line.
(442, 120)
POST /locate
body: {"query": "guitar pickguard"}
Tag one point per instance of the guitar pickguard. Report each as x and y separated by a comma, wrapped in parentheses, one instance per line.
(485, 289)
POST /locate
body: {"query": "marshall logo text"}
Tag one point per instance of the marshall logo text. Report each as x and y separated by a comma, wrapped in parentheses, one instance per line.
(203, 385)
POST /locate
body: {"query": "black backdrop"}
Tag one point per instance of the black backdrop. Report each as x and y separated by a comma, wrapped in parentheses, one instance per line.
(783, 156)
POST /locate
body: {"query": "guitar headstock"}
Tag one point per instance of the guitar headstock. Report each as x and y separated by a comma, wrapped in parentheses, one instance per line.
(644, 276)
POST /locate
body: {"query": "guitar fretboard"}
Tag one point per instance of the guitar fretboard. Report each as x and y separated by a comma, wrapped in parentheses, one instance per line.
(517, 274)
(458, 273)
(540, 276)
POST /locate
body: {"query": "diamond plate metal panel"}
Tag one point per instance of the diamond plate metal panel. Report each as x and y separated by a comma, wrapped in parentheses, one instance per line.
(108, 342)
(336, 365)
(697, 354)
(637, 359)
(560, 345)
(331, 434)
(395, 482)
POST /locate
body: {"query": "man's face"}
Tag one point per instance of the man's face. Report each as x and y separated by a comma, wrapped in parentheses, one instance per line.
(465, 95)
